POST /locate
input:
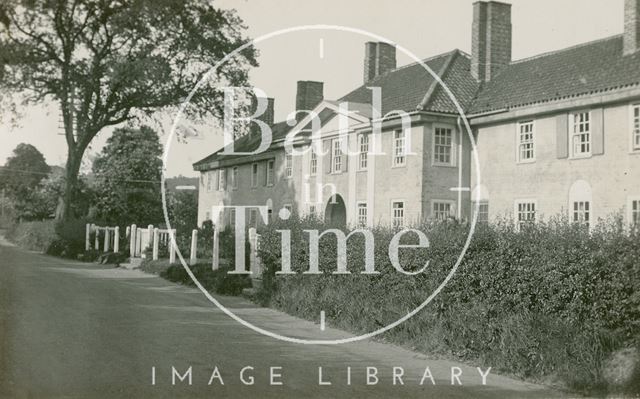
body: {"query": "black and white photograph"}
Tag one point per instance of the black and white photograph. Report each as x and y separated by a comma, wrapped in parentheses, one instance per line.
(319, 199)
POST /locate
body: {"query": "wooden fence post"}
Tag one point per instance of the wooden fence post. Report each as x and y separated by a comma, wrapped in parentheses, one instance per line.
(216, 248)
(87, 237)
(156, 237)
(96, 245)
(172, 248)
(116, 239)
(106, 239)
(132, 240)
(193, 257)
(150, 235)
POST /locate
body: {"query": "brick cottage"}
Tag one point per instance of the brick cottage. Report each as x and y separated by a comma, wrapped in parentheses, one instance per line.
(555, 133)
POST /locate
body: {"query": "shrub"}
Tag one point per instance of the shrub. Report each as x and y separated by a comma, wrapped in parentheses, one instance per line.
(550, 300)
(35, 236)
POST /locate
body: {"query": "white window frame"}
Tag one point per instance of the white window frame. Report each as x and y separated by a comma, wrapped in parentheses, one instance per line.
(452, 208)
(254, 174)
(582, 216)
(234, 177)
(362, 218)
(483, 216)
(222, 177)
(520, 143)
(516, 211)
(336, 155)
(313, 162)
(634, 143)
(631, 211)
(363, 151)
(404, 213)
(271, 169)
(399, 148)
(452, 146)
(573, 135)
(288, 165)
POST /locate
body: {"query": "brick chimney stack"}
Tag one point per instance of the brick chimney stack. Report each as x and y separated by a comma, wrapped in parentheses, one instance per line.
(631, 37)
(379, 58)
(491, 39)
(308, 95)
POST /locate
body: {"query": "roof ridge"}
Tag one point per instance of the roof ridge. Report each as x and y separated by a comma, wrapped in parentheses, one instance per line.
(442, 72)
(424, 60)
(553, 52)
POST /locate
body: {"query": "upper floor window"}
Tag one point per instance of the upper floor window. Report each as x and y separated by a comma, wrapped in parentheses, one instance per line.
(270, 171)
(635, 135)
(525, 213)
(222, 179)
(362, 214)
(254, 175)
(313, 163)
(234, 178)
(580, 128)
(582, 212)
(442, 210)
(397, 213)
(288, 165)
(443, 146)
(363, 144)
(526, 149)
(399, 148)
(336, 151)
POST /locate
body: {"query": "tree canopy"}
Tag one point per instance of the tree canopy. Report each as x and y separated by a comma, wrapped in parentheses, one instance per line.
(127, 173)
(108, 61)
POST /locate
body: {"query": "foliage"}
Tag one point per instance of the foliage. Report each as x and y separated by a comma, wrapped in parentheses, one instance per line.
(107, 62)
(34, 236)
(550, 300)
(183, 210)
(216, 281)
(128, 178)
(21, 181)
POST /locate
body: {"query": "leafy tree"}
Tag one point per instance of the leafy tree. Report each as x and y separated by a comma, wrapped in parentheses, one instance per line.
(23, 172)
(183, 211)
(127, 173)
(108, 61)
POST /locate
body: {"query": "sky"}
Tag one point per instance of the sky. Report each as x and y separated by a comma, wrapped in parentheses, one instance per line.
(423, 27)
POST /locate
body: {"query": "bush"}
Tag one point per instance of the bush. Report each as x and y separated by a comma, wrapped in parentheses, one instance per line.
(552, 300)
(216, 281)
(34, 236)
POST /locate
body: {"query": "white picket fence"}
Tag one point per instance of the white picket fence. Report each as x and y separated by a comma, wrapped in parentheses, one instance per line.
(140, 239)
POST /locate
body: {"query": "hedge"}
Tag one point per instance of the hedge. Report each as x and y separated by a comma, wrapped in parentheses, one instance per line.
(550, 301)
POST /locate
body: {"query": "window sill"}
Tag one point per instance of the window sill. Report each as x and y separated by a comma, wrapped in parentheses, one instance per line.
(525, 162)
(578, 157)
(444, 165)
(399, 166)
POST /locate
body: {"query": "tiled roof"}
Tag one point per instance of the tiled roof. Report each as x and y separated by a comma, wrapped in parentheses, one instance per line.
(407, 88)
(577, 71)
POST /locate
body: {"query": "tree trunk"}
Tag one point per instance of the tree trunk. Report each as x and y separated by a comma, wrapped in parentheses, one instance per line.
(64, 211)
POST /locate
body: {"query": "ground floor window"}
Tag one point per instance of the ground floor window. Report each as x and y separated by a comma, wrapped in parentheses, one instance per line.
(312, 211)
(635, 212)
(582, 212)
(397, 213)
(362, 214)
(483, 211)
(442, 210)
(253, 218)
(525, 213)
(232, 218)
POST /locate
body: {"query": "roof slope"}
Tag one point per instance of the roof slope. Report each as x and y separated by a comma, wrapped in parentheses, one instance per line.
(580, 70)
(412, 87)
